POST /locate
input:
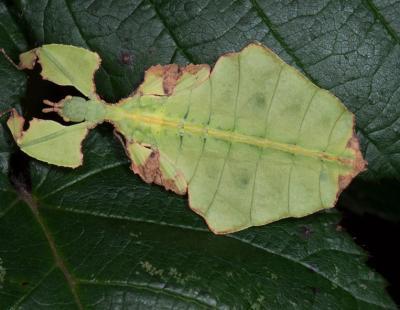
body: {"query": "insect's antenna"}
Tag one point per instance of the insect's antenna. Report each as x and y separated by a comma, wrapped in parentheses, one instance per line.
(55, 107)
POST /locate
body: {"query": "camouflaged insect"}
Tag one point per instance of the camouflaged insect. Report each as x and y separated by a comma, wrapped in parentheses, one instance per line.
(251, 141)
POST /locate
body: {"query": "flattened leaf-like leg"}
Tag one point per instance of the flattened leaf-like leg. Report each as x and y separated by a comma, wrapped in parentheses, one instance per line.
(154, 167)
(65, 65)
(49, 141)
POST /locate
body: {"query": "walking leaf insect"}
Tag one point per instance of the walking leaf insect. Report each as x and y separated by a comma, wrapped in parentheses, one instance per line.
(251, 141)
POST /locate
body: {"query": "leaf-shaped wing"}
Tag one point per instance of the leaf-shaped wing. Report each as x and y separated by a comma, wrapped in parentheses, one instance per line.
(256, 141)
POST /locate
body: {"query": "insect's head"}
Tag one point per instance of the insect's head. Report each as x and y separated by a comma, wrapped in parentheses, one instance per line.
(77, 109)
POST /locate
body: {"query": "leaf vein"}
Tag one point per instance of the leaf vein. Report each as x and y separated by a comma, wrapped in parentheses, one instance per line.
(86, 175)
(147, 287)
(372, 7)
(233, 236)
(279, 38)
(171, 33)
(230, 142)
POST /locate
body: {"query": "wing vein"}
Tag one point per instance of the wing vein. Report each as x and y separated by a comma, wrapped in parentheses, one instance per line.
(205, 137)
(230, 142)
(268, 113)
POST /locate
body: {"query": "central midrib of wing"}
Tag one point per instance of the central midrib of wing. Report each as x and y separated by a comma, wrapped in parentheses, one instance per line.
(196, 129)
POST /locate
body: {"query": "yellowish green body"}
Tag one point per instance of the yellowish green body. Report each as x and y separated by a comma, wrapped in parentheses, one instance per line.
(251, 142)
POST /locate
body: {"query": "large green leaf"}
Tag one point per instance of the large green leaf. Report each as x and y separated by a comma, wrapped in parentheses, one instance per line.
(98, 237)
(349, 47)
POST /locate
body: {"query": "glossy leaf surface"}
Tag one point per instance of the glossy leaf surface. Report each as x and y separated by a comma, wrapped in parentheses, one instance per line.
(92, 211)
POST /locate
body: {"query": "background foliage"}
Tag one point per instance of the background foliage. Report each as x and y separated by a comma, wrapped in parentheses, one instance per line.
(98, 237)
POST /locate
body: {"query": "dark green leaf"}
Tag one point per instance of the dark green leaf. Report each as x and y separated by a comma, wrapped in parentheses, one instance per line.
(12, 81)
(11, 38)
(98, 237)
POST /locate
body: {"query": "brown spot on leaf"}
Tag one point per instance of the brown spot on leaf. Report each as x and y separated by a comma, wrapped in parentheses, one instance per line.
(126, 58)
(359, 164)
(153, 155)
(150, 170)
(170, 77)
(193, 69)
(150, 173)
